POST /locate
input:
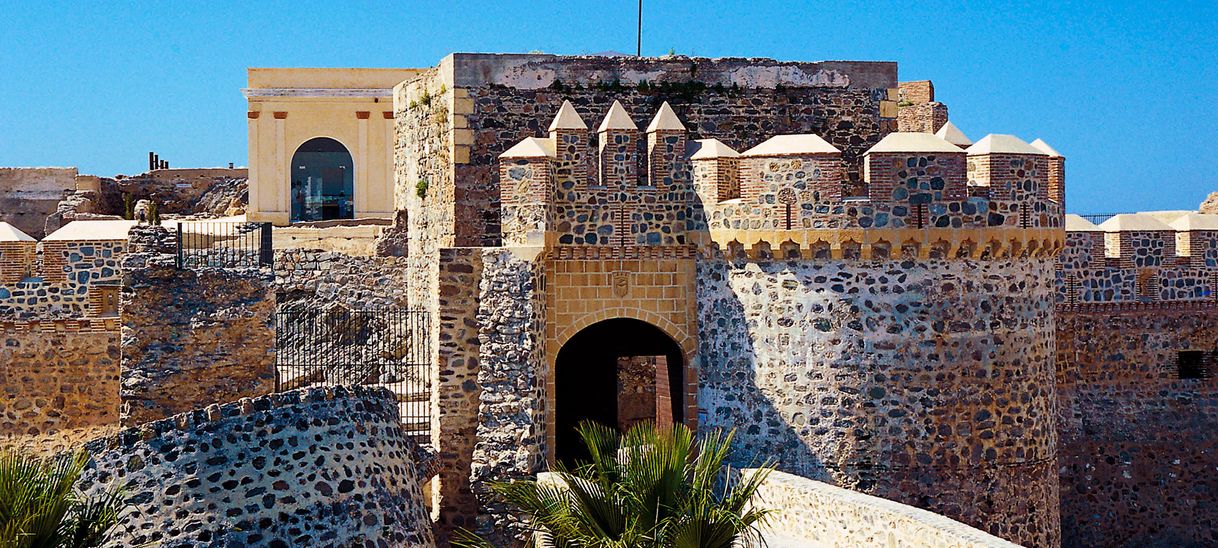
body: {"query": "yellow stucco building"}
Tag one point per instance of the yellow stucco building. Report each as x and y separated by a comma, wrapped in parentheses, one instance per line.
(321, 143)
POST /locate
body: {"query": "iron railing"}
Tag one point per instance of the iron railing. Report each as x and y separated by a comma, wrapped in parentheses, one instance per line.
(221, 244)
(1097, 218)
(334, 345)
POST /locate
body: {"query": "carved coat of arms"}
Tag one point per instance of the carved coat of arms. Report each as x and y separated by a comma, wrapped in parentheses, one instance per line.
(621, 283)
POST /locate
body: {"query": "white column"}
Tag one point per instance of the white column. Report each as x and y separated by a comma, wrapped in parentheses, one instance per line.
(361, 168)
(256, 189)
(388, 152)
(283, 171)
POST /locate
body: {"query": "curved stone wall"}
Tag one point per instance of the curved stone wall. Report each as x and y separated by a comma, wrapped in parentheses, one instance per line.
(812, 513)
(320, 467)
(928, 382)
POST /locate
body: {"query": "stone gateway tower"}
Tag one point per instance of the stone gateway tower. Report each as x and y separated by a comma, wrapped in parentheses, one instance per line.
(731, 243)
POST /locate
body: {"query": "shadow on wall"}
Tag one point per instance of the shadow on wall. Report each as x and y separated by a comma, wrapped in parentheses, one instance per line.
(729, 394)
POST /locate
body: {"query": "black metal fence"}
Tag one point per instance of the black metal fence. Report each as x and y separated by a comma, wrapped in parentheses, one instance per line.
(1097, 218)
(384, 347)
(222, 244)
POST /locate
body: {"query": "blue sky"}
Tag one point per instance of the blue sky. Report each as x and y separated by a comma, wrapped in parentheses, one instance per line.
(1124, 90)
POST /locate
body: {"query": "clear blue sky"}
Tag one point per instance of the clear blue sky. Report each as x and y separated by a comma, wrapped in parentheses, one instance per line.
(1125, 90)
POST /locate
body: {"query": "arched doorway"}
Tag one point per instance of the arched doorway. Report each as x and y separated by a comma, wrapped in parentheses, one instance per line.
(616, 372)
(323, 181)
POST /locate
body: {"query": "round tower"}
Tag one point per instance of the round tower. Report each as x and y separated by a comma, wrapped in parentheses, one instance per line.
(900, 344)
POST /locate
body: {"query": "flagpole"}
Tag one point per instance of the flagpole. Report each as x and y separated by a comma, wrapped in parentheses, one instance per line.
(638, 52)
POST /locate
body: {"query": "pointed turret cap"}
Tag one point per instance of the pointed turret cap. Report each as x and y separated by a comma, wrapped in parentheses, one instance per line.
(712, 148)
(617, 118)
(952, 134)
(997, 143)
(531, 147)
(804, 143)
(567, 118)
(913, 142)
(10, 233)
(666, 119)
(1044, 147)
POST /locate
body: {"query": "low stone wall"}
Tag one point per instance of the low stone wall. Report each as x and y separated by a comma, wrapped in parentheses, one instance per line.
(316, 467)
(57, 375)
(812, 513)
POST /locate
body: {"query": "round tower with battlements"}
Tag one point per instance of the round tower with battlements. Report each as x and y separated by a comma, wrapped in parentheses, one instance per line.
(899, 343)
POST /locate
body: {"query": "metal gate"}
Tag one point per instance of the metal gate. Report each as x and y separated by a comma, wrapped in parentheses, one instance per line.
(381, 347)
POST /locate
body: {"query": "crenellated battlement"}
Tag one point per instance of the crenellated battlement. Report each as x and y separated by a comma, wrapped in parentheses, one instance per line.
(924, 196)
(1166, 256)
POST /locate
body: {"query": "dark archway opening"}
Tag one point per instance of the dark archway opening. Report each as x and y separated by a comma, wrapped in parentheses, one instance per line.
(602, 374)
(323, 181)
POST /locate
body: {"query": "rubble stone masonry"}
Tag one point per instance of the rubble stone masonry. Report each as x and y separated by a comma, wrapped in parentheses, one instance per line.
(1137, 446)
(58, 374)
(927, 382)
(192, 337)
(316, 467)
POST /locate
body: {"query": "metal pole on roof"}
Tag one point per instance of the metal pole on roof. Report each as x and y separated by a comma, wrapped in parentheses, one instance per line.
(638, 52)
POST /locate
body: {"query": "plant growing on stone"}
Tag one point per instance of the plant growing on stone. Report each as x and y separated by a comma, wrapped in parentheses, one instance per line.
(649, 487)
(40, 506)
(128, 207)
(420, 188)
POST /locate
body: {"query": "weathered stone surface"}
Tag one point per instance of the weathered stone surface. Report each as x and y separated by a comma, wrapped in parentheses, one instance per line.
(511, 433)
(925, 382)
(191, 337)
(29, 194)
(1210, 205)
(318, 467)
(57, 375)
(1137, 444)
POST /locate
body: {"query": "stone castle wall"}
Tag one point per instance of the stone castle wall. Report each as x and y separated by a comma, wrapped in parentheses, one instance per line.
(322, 467)
(57, 375)
(191, 337)
(65, 281)
(928, 382)
(29, 194)
(319, 278)
(512, 376)
(490, 103)
(1137, 449)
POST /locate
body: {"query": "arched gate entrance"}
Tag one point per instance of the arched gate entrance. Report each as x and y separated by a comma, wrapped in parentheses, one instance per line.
(616, 372)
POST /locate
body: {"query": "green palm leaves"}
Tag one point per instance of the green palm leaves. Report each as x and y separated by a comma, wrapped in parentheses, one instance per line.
(41, 508)
(649, 487)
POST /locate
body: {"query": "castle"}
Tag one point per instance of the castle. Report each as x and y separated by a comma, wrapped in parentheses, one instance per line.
(809, 253)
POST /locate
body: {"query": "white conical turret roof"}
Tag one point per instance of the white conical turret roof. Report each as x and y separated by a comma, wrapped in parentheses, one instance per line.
(712, 148)
(617, 118)
(567, 118)
(1134, 222)
(805, 143)
(913, 142)
(996, 143)
(1076, 223)
(665, 119)
(530, 147)
(952, 134)
(1044, 147)
(10, 233)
